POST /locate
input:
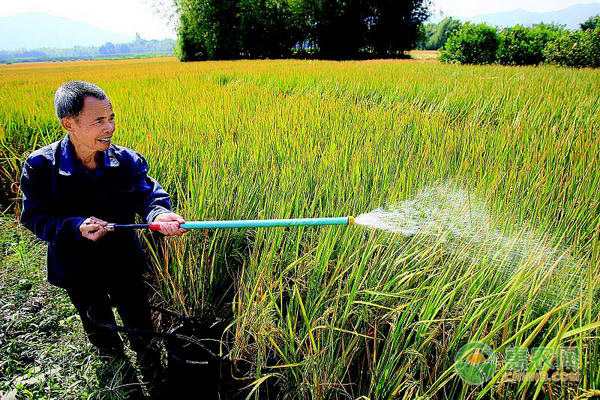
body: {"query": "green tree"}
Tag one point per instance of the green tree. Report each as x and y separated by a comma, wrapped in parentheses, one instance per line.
(354, 28)
(268, 28)
(555, 28)
(524, 46)
(425, 33)
(336, 29)
(471, 44)
(393, 26)
(590, 23)
(438, 34)
(209, 29)
(575, 49)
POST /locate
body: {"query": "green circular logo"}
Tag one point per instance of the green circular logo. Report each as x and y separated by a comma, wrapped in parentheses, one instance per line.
(475, 363)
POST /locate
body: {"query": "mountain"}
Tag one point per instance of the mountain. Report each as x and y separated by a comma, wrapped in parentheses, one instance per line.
(33, 30)
(570, 16)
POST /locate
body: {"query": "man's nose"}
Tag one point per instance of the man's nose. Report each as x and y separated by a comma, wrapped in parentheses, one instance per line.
(109, 127)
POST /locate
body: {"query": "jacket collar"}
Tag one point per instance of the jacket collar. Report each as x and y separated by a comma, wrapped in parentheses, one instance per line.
(68, 162)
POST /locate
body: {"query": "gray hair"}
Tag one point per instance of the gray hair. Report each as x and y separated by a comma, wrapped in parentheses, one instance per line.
(68, 99)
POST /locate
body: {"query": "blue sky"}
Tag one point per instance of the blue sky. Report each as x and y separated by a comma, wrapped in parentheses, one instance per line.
(131, 16)
(470, 8)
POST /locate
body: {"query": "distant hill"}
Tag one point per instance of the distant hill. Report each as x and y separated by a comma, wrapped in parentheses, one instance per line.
(570, 16)
(34, 30)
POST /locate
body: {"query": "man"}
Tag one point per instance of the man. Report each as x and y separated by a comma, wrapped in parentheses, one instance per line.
(71, 190)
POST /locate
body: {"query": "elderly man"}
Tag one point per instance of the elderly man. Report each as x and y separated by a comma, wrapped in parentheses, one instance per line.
(72, 189)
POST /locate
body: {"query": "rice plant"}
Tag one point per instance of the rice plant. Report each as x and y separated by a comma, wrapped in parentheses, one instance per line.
(492, 170)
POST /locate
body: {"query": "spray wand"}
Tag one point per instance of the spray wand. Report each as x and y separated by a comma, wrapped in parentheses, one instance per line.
(247, 223)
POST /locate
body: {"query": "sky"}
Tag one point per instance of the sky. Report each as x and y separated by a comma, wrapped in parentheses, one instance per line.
(131, 16)
(119, 16)
(471, 8)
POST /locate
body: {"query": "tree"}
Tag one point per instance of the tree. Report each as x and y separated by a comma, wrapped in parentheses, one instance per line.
(107, 48)
(267, 28)
(228, 29)
(524, 46)
(553, 27)
(335, 29)
(354, 28)
(425, 33)
(123, 48)
(575, 49)
(472, 44)
(395, 25)
(209, 29)
(434, 36)
(591, 23)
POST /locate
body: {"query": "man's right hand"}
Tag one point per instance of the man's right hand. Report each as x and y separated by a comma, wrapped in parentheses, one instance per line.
(93, 228)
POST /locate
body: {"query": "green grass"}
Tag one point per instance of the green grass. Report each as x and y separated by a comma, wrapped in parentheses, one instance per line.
(347, 312)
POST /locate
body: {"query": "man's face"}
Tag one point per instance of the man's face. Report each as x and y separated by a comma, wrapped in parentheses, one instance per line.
(94, 126)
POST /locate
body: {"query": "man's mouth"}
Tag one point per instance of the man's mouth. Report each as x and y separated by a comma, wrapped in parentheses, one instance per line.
(104, 140)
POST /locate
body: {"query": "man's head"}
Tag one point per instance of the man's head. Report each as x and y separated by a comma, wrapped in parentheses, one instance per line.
(85, 111)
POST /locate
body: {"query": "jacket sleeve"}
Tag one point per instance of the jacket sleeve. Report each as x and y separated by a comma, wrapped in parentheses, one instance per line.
(152, 199)
(37, 215)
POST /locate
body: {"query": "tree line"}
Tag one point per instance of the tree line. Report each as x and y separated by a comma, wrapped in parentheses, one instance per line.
(330, 29)
(138, 46)
(518, 45)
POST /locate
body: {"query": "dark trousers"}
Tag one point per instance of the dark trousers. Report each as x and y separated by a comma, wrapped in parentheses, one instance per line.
(130, 298)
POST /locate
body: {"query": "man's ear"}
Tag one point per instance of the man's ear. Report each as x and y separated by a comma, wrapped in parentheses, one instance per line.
(67, 123)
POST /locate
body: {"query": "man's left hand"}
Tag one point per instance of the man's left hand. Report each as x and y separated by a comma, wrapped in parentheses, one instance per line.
(169, 224)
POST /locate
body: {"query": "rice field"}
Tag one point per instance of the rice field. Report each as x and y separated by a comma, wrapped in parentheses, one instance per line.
(496, 167)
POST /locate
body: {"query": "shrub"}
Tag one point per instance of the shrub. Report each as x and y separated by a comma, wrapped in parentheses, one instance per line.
(471, 44)
(523, 46)
(575, 49)
(590, 23)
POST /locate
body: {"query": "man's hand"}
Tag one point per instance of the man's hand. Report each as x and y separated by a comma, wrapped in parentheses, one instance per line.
(93, 228)
(169, 224)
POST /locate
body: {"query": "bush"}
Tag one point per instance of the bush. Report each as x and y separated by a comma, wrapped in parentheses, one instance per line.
(590, 23)
(524, 46)
(575, 49)
(471, 44)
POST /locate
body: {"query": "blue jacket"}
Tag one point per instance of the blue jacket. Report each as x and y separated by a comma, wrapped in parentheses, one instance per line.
(59, 194)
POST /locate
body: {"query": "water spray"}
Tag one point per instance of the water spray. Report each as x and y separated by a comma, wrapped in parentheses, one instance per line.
(450, 217)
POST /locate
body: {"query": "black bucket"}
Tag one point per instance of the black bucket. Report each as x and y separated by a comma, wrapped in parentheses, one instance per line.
(195, 367)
